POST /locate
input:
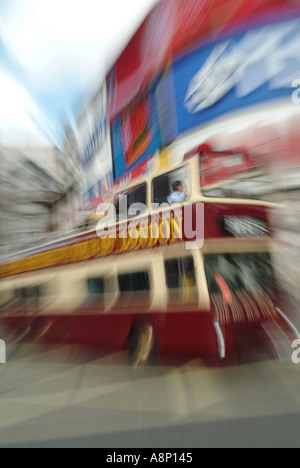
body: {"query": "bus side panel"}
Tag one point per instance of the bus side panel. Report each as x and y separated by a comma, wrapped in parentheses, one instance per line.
(186, 334)
(104, 331)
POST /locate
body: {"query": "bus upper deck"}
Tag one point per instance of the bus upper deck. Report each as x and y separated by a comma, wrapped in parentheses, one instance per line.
(148, 199)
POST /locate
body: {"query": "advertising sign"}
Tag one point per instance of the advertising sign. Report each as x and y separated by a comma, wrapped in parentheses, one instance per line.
(237, 72)
(135, 135)
(172, 28)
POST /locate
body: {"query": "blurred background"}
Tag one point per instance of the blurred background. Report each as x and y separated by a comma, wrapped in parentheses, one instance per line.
(90, 91)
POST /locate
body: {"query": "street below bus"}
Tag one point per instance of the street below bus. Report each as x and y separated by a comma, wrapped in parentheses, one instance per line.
(71, 397)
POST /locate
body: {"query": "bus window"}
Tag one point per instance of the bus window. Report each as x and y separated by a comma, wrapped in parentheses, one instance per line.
(20, 294)
(95, 286)
(135, 195)
(96, 292)
(32, 293)
(28, 296)
(134, 290)
(181, 280)
(7, 298)
(134, 282)
(173, 187)
(234, 176)
(252, 272)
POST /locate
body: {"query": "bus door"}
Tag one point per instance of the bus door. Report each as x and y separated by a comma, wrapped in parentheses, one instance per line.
(98, 292)
(133, 302)
(184, 324)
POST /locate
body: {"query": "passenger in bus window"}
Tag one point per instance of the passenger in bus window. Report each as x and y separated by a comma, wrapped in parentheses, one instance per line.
(179, 195)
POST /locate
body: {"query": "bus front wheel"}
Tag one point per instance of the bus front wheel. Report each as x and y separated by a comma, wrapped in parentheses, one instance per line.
(142, 346)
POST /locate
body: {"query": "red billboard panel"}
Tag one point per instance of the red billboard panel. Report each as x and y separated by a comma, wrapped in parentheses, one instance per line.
(172, 27)
(137, 132)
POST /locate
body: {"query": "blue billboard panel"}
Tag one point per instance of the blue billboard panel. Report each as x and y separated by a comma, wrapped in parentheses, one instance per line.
(166, 109)
(243, 70)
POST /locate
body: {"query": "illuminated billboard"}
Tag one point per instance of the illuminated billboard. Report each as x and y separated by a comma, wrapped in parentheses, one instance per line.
(135, 135)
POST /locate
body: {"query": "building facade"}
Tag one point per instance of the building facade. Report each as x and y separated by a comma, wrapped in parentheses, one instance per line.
(32, 181)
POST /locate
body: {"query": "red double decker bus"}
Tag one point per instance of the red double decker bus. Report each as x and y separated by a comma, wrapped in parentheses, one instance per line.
(183, 281)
